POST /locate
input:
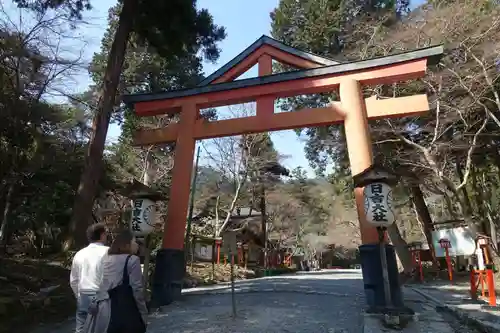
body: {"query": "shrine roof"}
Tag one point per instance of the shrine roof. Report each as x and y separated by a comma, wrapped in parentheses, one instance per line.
(266, 40)
(137, 190)
(433, 55)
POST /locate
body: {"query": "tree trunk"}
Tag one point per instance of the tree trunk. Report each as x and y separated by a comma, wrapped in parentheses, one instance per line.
(495, 155)
(213, 259)
(400, 247)
(5, 216)
(424, 216)
(239, 185)
(3, 194)
(489, 210)
(87, 188)
(478, 196)
(466, 201)
(450, 206)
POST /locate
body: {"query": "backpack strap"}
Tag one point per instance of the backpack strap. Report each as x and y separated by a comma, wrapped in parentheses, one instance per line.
(126, 279)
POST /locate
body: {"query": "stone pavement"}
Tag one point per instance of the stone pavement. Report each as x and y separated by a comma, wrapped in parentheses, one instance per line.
(455, 299)
(428, 318)
(316, 302)
(326, 301)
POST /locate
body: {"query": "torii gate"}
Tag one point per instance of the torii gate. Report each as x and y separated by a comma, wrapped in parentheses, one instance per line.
(317, 75)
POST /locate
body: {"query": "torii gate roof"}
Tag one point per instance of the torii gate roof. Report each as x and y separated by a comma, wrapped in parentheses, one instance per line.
(146, 104)
(266, 43)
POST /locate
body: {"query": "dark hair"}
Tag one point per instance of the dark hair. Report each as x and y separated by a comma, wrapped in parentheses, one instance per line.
(121, 243)
(95, 231)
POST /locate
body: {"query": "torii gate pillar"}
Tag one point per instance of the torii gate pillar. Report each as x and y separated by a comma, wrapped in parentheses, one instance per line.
(360, 152)
(359, 147)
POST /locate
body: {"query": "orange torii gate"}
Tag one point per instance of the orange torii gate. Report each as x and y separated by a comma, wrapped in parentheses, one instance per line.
(317, 75)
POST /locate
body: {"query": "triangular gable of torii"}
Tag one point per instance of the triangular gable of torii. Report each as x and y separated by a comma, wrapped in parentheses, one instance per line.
(266, 46)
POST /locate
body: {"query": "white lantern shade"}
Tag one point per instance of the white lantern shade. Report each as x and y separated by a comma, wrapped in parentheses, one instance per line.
(143, 217)
(378, 204)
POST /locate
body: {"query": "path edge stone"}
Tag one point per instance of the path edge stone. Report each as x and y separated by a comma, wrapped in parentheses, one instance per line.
(372, 323)
(461, 315)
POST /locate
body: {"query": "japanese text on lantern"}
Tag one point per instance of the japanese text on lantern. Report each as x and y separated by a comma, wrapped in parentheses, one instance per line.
(136, 215)
(377, 198)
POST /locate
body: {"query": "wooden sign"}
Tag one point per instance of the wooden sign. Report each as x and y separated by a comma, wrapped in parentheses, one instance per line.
(444, 243)
(229, 242)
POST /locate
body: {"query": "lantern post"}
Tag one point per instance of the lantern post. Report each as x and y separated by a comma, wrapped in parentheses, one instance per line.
(231, 247)
(445, 244)
(416, 254)
(143, 220)
(245, 254)
(377, 192)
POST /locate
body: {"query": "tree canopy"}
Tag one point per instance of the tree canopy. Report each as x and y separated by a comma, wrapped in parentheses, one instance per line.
(173, 30)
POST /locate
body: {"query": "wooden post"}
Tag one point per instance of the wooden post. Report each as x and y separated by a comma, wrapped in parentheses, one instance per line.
(420, 268)
(473, 286)
(191, 249)
(490, 280)
(217, 250)
(246, 249)
(482, 278)
(147, 260)
(445, 244)
(213, 259)
(233, 297)
(448, 263)
(240, 255)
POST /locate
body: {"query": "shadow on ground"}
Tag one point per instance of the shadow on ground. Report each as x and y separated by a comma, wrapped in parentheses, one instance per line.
(312, 302)
(319, 302)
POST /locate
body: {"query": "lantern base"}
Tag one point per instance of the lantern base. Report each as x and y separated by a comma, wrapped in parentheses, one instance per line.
(168, 277)
(373, 279)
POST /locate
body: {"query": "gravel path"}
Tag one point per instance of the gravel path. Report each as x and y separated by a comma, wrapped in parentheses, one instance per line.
(315, 302)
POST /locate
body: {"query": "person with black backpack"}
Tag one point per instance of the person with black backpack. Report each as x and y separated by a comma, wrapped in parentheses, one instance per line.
(120, 306)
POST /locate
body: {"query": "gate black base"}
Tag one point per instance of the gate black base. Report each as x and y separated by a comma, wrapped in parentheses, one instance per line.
(373, 279)
(168, 277)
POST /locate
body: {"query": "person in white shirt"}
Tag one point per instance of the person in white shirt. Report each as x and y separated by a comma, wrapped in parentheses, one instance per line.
(86, 272)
